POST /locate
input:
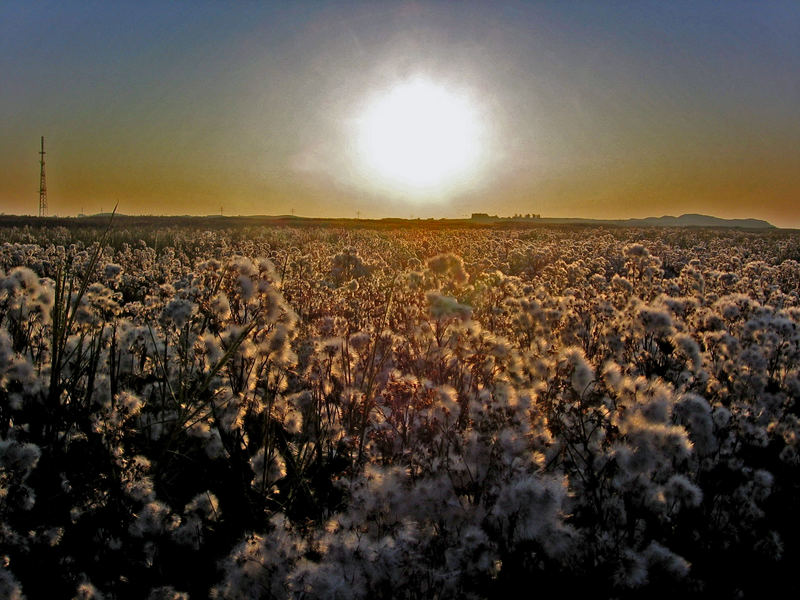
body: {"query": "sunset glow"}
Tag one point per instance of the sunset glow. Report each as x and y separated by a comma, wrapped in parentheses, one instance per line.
(598, 110)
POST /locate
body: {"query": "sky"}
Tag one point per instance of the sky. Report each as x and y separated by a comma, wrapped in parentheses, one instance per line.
(587, 109)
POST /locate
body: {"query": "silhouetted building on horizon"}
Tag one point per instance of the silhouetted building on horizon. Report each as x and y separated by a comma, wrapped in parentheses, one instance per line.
(488, 217)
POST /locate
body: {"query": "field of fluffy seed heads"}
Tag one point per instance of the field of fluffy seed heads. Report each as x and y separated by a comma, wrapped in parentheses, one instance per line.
(322, 413)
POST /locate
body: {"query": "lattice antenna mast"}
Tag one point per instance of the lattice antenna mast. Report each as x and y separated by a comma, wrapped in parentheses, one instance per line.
(42, 185)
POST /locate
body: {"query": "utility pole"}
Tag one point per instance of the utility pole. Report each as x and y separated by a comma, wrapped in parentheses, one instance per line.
(42, 184)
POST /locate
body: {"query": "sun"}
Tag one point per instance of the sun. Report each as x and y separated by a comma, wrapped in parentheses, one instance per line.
(419, 137)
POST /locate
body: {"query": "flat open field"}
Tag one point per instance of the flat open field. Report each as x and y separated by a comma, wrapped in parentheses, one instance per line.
(373, 410)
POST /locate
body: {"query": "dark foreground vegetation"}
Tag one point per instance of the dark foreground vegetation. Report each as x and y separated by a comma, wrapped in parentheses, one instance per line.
(330, 412)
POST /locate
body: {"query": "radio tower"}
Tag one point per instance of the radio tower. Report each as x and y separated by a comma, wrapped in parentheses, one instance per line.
(42, 185)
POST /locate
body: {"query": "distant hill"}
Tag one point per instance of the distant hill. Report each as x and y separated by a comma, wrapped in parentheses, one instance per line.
(688, 220)
(694, 220)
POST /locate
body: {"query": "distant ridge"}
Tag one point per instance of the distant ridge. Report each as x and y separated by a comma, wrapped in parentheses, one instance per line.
(687, 220)
(695, 220)
(477, 220)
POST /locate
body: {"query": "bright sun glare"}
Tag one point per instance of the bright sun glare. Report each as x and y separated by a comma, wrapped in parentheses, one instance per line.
(420, 137)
